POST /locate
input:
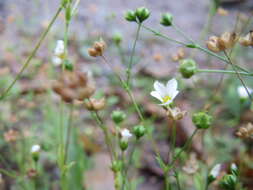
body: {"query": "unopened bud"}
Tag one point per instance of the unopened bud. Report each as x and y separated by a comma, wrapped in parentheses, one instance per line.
(228, 182)
(214, 173)
(188, 68)
(118, 116)
(130, 16)
(117, 38)
(125, 135)
(35, 152)
(234, 169)
(202, 120)
(116, 166)
(68, 65)
(166, 19)
(139, 131)
(142, 14)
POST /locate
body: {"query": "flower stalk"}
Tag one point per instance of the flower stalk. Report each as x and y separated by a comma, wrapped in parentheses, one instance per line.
(28, 60)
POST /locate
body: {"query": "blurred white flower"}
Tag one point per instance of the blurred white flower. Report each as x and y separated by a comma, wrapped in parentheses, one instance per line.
(242, 92)
(233, 166)
(215, 171)
(35, 148)
(59, 49)
(165, 93)
(58, 53)
(56, 61)
(125, 134)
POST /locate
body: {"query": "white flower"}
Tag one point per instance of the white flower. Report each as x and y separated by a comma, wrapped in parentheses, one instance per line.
(58, 53)
(233, 166)
(242, 92)
(125, 134)
(56, 61)
(216, 170)
(35, 148)
(165, 94)
(59, 49)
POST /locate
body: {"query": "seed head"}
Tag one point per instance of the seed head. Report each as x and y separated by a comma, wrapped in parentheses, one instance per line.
(166, 19)
(73, 85)
(247, 40)
(225, 41)
(97, 49)
(175, 113)
(246, 131)
(94, 104)
(188, 68)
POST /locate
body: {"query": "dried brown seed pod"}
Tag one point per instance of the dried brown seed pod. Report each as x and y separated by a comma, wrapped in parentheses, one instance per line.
(213, 44)
(68, 95)
(85, 92)
(57, 87)
(175, 113)
(180, 54)
(97, 48)
(227, 40)
(73, 86)
(11, 135)
(94, 104)
(92, 52)
(246, 131)
(247, 40)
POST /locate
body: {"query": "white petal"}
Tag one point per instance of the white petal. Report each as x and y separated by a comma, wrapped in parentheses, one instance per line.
(156, 95)
(160, 88)
(56, 61)
(215, 170)
(172, 85)
(175, 93)
(35, 148)
(242, 91)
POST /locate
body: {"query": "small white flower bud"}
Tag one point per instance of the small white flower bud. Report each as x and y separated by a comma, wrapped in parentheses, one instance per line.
(242, 92)
(59, 49)
(125, 134)
(216, 170)
(35, 148)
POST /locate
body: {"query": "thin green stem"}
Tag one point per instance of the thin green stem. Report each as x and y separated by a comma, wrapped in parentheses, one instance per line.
(121, 54)
(186, 145)
(108, 142)
(182, 33)
(27, 62)
(177, 180)
(68, 134)
(157, 33)
(173, 139)
(129, 69)
(238, 75)
(195, 45)
(167, 180)
(224, 59)
(223, 71)
(130, 94)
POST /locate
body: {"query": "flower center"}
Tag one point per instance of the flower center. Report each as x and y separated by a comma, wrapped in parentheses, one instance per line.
(166, 99)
